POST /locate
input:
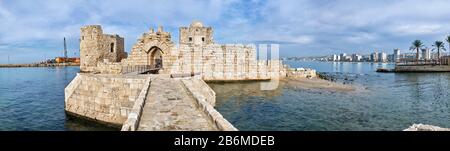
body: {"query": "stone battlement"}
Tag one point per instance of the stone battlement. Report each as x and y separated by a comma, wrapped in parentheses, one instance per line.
(196, 53)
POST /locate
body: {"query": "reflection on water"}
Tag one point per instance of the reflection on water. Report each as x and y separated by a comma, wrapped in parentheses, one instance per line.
(389, 101)
(244, 89)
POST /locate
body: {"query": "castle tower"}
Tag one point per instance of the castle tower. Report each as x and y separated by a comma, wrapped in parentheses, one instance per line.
(90, 44)
(196, 34)
(97, 47)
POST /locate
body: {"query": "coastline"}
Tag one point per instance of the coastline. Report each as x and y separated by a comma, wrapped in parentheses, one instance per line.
(38, 65)
(318, 83)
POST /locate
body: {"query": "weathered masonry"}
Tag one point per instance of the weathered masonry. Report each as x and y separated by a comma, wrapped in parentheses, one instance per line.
(196, 53)
(145, 102)
(98, 47)
(111, 87)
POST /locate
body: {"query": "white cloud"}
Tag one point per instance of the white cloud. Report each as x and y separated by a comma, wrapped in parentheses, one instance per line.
(424, 29)
(311, 24)
(303, 40)
(361, 38)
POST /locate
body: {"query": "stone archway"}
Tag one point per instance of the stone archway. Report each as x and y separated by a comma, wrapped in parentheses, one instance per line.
(155, 58)
(152, 54)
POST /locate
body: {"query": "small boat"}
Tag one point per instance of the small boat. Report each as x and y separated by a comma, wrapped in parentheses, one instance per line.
(385, 70)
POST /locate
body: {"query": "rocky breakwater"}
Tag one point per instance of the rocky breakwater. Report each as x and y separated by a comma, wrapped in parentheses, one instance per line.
(301, 73)
(305, 78)
(423, 127)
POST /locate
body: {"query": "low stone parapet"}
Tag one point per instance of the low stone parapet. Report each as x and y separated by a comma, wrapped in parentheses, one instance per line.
(68, 91)
(204, 102)
(108, 68)
(105, 98)
(132, 123)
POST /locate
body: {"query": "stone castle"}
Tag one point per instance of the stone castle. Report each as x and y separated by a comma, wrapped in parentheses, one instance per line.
(111, 88)
(196, 53)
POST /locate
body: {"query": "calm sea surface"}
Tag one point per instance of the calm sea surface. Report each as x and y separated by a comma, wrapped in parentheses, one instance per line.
(33, 99)
(385, 101)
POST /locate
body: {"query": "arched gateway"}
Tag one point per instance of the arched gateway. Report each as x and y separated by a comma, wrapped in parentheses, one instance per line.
(154, 57)
(196, 54)
(151, 51)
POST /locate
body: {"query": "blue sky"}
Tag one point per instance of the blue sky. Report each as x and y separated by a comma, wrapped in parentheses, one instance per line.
(32, 30)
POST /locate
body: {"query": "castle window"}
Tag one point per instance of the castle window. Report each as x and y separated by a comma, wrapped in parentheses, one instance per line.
(82, 37)
(112, 47)
(203, 39)
(190, 39)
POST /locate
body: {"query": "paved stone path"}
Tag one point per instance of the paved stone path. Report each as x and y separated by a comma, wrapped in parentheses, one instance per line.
(169, 106)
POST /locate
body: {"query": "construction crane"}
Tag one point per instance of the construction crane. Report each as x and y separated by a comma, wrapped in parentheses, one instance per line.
(65, 58)
(65, 49)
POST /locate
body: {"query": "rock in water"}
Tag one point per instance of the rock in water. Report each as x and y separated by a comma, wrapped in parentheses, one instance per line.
(423, 127)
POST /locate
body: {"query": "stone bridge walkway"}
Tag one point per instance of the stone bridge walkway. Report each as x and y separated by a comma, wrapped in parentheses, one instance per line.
(170, 106)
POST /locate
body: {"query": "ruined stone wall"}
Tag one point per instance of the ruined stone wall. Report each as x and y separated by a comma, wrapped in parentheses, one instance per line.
(89, 46)
(301, 73)
(225, 62)
(96, 47)
(146, 44)
(113, 46)
(196, 34)
(106, 67)
(212, 61)
(106, 98)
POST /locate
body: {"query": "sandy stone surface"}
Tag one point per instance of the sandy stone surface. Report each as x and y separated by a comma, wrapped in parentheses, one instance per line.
(317, 83)
(170, 107)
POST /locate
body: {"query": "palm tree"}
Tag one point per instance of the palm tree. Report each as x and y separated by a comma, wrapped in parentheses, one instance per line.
(448, 41)
(439, 45)
(416, 45)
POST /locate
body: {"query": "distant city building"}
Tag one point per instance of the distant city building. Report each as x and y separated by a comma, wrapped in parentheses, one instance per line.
(426, 54)
(366, 58)
(390, 58)
(374, 57)
(382, 57)
(434, 55)
(343, 56)
(408, 55)
(348, 58)
(335, 58)
(396, 55)
(356, 57)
